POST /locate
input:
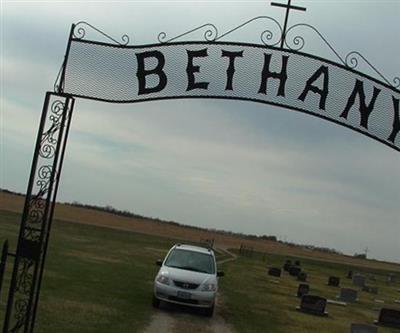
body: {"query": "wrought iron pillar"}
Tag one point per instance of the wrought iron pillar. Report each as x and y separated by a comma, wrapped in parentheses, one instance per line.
(38, 213)
(3, 261)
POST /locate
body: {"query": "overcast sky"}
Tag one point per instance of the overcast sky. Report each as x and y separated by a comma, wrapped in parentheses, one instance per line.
(218, 164)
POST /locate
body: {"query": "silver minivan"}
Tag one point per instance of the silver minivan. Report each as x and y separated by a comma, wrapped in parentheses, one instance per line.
(188, 276)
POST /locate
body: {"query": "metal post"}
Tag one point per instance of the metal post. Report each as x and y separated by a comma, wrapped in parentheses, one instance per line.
(3, 262)
(37, 214)
(69, 110)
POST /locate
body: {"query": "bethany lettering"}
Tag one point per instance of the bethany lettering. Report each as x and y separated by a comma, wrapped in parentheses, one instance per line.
(396, 120)
(231, 67)
(142, 72)
(191, 69)
(323, 70)
(267, 74)
(365, 110)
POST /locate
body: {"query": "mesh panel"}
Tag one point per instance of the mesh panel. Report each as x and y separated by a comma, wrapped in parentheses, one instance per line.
(109, 73)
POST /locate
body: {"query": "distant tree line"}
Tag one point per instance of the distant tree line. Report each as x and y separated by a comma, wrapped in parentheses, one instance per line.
(125, 213)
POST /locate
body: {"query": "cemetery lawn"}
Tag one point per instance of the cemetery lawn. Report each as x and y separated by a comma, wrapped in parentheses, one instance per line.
(96, 279)
(253, 302)
(99, 279)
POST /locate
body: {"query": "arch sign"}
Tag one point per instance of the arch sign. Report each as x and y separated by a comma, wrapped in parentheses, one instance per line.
(128, 74)
(171, 69)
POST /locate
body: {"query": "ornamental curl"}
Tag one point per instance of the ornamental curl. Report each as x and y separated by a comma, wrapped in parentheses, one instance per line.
(79, 32)
(352, 61)
(299, 41)
(47, 151)
(210, 34)
(266, 36)
(45, 172)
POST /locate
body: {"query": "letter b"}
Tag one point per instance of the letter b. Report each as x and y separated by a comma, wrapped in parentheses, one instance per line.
(142, 72)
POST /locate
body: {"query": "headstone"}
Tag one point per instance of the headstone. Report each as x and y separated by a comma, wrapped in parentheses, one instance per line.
(359, 280)
(297, 263)
(294, 270)
(334, 281)
(302, 289)
(362, 328)
(274, 271)
(287, 265)
(302, 277)
(389, 317)
(348, 295)
(397, 301)
(350, 274)
(313, 304)
(391, 278)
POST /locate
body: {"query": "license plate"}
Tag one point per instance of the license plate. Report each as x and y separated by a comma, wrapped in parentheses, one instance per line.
(183, 294)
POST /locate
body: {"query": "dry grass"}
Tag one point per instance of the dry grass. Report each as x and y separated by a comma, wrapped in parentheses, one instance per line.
(69, 213)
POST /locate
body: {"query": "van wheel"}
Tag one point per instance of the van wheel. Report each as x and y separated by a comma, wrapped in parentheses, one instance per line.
(155, 302)
(208, 312)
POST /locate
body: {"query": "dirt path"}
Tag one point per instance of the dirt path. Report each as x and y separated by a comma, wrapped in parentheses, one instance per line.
(176, 319)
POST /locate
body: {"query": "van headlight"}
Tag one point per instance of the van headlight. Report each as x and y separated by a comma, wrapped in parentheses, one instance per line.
(163, 279)
(209, 287)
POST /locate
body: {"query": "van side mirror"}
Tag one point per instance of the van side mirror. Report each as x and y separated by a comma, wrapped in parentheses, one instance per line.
(220, 273)
(159, 262)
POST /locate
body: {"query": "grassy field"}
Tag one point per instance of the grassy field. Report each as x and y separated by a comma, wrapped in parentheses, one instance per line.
(99, 279)
(14, 203)
(96, 279)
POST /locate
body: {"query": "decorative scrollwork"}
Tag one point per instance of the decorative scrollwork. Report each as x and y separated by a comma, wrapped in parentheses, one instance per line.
(351, 61)
(23, 288)
(48, 142)
(266, 36)
(299, 41)
(21, 306)
(210, 34)
(79, 32)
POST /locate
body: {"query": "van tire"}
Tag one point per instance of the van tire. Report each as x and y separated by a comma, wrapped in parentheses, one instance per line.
(208, 312)
(155, 302)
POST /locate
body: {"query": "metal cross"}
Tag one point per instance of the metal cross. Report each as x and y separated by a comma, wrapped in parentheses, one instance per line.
(288, 8)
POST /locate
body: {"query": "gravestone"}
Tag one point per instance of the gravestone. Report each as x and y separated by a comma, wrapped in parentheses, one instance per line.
(287, 265)
(294, 270)
(302, 277)
(302, 289)
(274, 271)
(389, 317)
(334, 281)
(391, 278)
(313, 305)
(359, 280)
(350, 274)
(363, 328)
(348, 295)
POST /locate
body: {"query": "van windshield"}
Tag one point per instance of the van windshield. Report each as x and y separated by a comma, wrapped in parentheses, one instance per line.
(191, 261)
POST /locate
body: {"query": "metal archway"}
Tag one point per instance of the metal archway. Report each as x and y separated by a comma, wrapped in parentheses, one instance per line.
(121, 73)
